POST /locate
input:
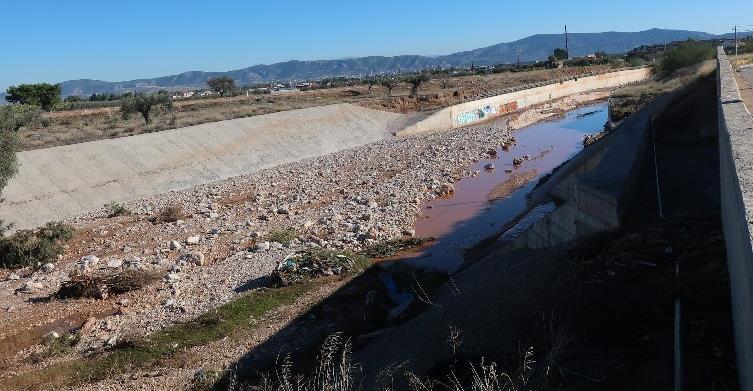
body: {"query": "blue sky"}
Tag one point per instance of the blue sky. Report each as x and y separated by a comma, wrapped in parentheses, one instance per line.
(53, 40)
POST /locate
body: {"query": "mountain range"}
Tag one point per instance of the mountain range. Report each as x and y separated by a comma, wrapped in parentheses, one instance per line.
(532, 48)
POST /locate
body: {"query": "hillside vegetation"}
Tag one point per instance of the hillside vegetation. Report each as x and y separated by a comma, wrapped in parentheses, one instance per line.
(675, 68)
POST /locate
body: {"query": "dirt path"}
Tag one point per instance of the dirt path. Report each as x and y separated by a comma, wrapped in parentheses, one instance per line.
(745, 84)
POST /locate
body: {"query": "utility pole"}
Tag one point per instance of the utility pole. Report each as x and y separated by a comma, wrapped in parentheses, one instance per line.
(567, 50)
(735, 28)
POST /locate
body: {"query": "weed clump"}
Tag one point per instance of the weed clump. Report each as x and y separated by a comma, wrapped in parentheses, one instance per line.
(34, 247)
(58, 345)
(313, 263)
(391, 247)
(101, 286)
(171, 214)
(115, 209)
(284, 236)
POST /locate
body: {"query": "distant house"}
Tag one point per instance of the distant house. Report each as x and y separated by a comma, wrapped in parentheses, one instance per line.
(183, 94)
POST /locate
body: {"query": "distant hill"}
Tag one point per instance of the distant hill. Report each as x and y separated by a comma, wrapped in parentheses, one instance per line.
(535, 47)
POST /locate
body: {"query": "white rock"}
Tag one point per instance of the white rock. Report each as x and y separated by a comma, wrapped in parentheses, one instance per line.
(172, 277)
(50, 337)
(262, 246)
(193, 240)
(114, 263)
(30, 286)
(175, 245)
(194, 257)
(48, 267)
(90, 260)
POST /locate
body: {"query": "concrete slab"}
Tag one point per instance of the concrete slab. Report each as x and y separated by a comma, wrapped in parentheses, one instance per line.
(63, 182)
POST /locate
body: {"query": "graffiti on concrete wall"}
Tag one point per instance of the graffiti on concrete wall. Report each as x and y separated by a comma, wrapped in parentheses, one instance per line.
(508, 107)
(476, 115)
(485, 112)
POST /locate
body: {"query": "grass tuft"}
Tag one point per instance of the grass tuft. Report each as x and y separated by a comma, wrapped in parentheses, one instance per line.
(223, 321)
(392, 247)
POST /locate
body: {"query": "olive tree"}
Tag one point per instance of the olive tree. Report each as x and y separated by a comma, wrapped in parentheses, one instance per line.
(143, 104)
(12, 118)
(388, 84)
(43, 95)
(222, 85)
(415, 81)
(561, 54)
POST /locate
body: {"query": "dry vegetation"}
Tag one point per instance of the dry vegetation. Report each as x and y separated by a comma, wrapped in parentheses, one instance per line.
(741, 60)
(75, 126)
(630, 99)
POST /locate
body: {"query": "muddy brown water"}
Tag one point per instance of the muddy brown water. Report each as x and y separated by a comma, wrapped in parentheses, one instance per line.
(476, 211)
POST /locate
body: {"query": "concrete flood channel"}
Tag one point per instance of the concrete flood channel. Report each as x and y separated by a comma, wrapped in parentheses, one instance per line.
(482, 205)
(398, 289)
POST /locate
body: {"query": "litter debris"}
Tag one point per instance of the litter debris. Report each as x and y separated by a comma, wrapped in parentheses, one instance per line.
(310, 263)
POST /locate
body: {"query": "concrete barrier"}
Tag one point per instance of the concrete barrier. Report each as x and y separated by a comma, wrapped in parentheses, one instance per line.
(484, 109)
(736, 180)
(63, 182)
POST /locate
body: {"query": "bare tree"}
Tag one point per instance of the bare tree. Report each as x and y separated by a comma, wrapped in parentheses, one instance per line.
(388, 84)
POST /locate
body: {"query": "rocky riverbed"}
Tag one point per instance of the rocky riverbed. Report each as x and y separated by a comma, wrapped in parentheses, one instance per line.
(230, 235)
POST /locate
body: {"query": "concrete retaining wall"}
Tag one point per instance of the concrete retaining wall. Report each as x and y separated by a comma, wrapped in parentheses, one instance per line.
(484, 109)
(594, 188)
(63, 182)
(736, 180)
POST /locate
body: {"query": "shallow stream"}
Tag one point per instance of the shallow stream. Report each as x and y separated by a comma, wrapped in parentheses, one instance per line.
(483, 204)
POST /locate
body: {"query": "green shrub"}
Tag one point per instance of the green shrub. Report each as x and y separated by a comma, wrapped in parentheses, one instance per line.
(114, 210)
(685, 54)
(34, 247)
(283, 236)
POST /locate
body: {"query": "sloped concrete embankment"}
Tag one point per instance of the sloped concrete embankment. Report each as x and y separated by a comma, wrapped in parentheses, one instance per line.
(484, 109)
(736, 172)
(63, 182)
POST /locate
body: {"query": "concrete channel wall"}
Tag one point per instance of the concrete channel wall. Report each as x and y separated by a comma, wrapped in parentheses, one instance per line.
(736, 180)
(63, 182)
(484, 109)
(593, 189)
